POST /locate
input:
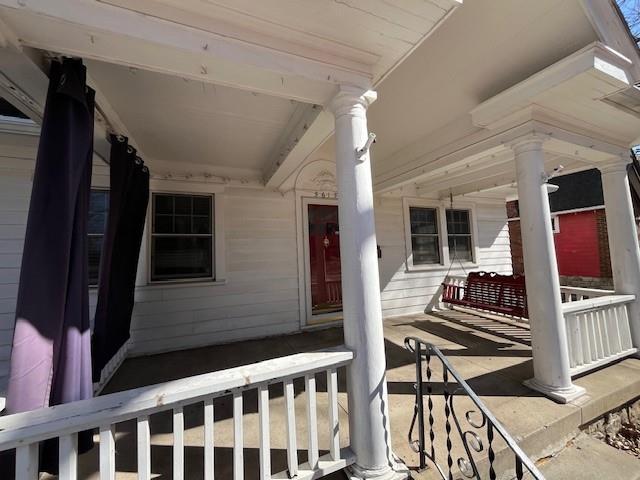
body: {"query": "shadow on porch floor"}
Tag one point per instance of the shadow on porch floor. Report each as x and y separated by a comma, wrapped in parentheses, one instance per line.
(493, 355)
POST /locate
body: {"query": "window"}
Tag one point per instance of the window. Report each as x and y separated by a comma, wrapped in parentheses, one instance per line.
(182, 237)
(98, 212)
(437, 235)
(459, 235)
(555, 224)
(425, 241)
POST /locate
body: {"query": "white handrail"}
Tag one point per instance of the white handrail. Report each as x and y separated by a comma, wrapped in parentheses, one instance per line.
(580, 293)
(23, 431)
(594, 303)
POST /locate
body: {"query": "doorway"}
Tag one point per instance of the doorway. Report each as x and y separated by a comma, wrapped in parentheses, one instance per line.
(323, 254)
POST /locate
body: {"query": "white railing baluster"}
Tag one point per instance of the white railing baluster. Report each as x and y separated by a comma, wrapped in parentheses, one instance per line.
(208, 440)
(108, 452)
(570, 322)
(292, 444)
(265, 434)
(178, 443)
(603, 316)
(586, 344)
(27, 462)
(595, 318)
(334, 423)
(68, 456)
(593, 338)
(238, 440)
(144, 448)
(312, 420)
(577, 340)
(624, 316)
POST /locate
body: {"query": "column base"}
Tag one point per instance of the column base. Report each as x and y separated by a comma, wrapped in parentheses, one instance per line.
(397, 471)
(560, 395)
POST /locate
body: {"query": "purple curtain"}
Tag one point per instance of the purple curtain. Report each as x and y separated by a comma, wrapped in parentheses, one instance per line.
(51, 355)
(129, 196)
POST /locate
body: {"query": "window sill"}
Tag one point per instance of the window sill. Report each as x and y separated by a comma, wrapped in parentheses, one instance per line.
(207, 282)
(440, 267)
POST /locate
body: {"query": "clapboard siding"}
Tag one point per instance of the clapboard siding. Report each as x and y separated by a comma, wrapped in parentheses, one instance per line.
(259, 297)
(16, 163)
(405, 292)
(260, 293)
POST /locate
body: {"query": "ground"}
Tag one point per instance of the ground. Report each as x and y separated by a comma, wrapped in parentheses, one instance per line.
(493, 355)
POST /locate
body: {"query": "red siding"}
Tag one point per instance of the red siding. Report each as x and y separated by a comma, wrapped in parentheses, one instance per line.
(577, 246)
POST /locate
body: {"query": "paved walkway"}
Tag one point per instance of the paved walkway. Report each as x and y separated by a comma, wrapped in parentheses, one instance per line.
(493, 355)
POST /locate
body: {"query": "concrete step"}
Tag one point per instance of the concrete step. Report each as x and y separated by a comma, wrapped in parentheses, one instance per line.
(590, 459)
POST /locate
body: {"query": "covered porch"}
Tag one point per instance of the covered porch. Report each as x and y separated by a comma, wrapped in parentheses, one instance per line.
(270, 121)
(493, 355)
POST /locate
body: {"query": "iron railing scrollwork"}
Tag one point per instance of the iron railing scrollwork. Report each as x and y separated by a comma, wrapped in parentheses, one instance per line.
(479, 422)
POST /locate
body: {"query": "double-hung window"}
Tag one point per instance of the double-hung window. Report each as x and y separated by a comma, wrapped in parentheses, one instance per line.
(425, 240)
(182, 237)
(459, 235)
(98, 213)
(436, 235)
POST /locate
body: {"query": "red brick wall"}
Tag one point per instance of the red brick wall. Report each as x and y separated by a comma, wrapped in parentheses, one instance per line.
(515, 240)
(603, 244)
(582, 247)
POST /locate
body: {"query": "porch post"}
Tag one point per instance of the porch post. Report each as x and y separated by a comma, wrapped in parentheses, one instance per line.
(623, 237)
(548, 332)
(369, 429)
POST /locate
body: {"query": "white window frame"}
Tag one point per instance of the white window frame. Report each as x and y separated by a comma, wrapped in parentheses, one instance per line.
(441, 208)
(555, 223)
(217, 247)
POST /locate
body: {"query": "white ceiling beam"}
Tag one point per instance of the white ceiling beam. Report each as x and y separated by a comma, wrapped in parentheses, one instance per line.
(597, 60)
(104, 32)
(308, 128)
(613, 31)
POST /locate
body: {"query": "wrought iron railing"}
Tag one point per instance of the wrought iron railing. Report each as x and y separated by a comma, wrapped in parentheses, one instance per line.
(503, 457)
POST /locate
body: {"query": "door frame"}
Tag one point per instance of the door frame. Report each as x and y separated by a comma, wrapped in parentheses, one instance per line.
(307, 318)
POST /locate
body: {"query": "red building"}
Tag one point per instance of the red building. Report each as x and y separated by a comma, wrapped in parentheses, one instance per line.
(580, 230)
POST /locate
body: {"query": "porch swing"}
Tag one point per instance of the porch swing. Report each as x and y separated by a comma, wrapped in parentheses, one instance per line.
(488, 291)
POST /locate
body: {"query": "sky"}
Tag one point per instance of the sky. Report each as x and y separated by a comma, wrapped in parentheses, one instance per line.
(631, 11)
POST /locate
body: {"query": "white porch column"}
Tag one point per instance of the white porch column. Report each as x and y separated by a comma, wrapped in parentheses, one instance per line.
(369, 429)
(548, 332)
(623, 237)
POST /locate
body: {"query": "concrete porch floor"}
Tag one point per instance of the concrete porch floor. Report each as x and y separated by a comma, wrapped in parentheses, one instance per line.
(494, 356)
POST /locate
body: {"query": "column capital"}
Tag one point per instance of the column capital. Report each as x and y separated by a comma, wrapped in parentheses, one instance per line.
(615, 165)
(530, 142)
(351, 101)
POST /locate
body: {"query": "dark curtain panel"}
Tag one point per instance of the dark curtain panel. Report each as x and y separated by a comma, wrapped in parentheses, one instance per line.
(51, 357)
(119, 261)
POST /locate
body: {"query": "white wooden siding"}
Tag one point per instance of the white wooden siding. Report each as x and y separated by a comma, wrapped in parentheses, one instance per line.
(405, 292)
(260, 294)
(259, 297)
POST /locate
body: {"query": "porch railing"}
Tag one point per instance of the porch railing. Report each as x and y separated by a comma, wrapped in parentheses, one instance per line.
(24, 431)
(477, 444)
(574, 294)
(598, 331)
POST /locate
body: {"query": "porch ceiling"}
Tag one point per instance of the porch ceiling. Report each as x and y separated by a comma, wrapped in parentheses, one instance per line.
(183, 121)
(293, 50)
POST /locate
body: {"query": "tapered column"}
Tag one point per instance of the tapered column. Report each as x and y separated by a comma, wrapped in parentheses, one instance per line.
(369, 429)
(548, 331)
(623, 237)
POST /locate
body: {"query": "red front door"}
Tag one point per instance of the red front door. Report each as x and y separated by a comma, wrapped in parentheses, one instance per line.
(324, 259)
